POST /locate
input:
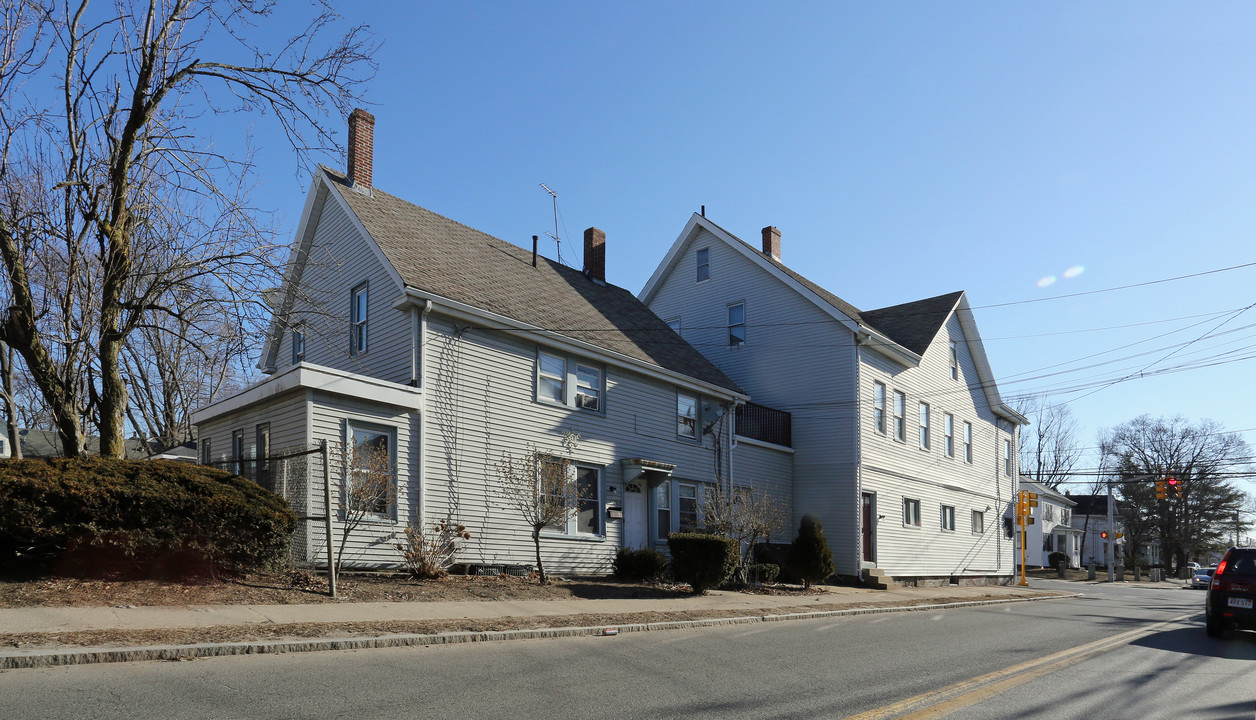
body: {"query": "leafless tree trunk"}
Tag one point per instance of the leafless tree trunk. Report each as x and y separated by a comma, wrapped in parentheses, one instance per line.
(135, 202)
(1049, 449)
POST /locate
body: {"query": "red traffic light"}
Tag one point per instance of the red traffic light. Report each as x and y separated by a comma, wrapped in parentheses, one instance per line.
(1104, 534)
(1173, 482)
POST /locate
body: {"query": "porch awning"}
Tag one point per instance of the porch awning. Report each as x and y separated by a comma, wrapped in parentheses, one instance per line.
(635, 467)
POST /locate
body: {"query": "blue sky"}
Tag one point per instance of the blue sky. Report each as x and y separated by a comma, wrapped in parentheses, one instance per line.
(904, 151)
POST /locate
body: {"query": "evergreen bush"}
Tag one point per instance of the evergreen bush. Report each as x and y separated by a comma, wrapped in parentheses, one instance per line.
(643, 565)
(98, 516)
(702, 561)
(765, 573)
(1057, 558)
(809, 556)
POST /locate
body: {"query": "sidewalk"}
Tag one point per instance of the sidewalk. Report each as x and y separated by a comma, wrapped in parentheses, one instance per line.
(41, 636)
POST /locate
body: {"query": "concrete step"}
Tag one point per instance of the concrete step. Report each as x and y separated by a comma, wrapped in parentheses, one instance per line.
(877, 579)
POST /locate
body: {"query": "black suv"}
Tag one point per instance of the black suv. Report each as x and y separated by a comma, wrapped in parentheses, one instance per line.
(1232, 593)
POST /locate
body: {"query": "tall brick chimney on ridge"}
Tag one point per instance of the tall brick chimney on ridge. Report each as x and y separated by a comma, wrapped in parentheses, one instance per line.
(595, 255)
(772, 242)
(361, 147)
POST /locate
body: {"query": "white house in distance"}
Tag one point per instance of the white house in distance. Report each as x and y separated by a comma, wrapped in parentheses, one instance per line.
(1053, 529)
(401, 329)
(1090, 518)
(902, 445)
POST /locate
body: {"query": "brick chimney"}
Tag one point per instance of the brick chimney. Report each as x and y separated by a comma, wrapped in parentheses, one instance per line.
(595, 255)
(772, 242)
(361, 147)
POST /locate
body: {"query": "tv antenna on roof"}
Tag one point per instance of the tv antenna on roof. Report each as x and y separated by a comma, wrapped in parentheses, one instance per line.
(557, 243)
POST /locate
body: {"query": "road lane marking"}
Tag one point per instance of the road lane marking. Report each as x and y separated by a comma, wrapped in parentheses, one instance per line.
(944, 701)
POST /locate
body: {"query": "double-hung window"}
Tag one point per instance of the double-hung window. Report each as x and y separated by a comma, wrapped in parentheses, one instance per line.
(703, 258)
(911, 511)
(979, 522)
(1065, 515)
(878, 407)
(237, 452)
(261, 458)
(298, 343)
(736, 324)
(1007, 458)
(687, 416)
(948, 518)
(207, 455)
(372, 469)
(948, 434)
(924, 426)
(968, 442)
(954, 360)
(662, 511)
(588, 388)
(587, 520)
(566, 381)
(900, 416)
(687, 507)
(357, 320)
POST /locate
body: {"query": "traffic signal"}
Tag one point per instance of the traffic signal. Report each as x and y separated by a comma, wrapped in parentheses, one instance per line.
(1120, 535)
(1104, 534)
(1176, 486)
(1162, 492)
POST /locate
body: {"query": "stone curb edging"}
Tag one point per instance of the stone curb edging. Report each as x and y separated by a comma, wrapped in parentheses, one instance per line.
(57, 658)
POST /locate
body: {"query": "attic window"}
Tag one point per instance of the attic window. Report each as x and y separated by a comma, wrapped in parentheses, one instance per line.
(704, 264)
(954, 360)
(357, 326)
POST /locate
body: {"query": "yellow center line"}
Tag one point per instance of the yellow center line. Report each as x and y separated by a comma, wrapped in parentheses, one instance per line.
(944, 701)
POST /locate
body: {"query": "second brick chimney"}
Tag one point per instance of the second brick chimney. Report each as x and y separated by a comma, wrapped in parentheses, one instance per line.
(595, 255)
(361, 147)
(772, 242)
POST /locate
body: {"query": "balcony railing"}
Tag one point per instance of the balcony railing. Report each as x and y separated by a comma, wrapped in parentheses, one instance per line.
(763, 423)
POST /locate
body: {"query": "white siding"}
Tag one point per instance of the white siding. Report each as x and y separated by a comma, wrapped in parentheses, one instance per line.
(895, 470)
(796, 358)
(339, 261)
(481, 406)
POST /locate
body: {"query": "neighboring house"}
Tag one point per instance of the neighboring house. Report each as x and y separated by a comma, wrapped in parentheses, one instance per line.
(1091, 518)
(398, 328)
(47, 444)
(903, 447)
(1053, 529)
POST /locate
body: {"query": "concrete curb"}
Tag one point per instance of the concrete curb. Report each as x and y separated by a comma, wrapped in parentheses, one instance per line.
(88, 656)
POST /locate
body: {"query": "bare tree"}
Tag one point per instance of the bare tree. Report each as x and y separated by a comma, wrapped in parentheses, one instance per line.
(368, 487)
(542, 487)
(746, 515)
(123, 187)
(1203, 458)
(1049, 449)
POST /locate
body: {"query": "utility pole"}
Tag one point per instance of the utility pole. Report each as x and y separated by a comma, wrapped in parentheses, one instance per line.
(1111, 544)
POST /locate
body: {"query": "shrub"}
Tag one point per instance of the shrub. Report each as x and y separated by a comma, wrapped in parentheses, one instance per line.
(644, 565)
(99, 516)
(763, 572)
(428, 554)
(810, 556)
(1057, 558)
(703, 561)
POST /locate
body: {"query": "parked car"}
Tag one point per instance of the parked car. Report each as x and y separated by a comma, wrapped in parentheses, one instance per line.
(1231, 600)
(1194, 567)
(1202, 578)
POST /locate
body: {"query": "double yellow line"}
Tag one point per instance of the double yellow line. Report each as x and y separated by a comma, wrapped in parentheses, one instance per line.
(944, 701)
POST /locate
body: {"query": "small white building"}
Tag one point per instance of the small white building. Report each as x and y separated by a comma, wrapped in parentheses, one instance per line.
(1052, 530)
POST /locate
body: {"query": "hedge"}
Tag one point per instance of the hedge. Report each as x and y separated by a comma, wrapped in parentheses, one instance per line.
(703, 561)
(644, 565)
(97, 516)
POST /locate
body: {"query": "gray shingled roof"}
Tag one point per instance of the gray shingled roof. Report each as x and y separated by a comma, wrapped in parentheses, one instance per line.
(914, 324)
(435, 254)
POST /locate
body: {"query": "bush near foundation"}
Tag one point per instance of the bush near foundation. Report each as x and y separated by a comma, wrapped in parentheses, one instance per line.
(703, 561)
(643, 565)
(102, 517)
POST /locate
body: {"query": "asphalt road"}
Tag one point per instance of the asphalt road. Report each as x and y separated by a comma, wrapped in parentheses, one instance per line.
(1115, 653)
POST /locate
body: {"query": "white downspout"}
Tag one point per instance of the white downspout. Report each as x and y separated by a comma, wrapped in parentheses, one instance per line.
(419, 380)
(859, 530)
(732, 445)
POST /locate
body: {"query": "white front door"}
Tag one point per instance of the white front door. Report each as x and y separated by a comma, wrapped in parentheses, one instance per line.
(636, 516)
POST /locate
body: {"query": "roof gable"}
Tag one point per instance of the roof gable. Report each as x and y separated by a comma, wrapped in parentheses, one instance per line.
(915, 324)
(440, 256)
